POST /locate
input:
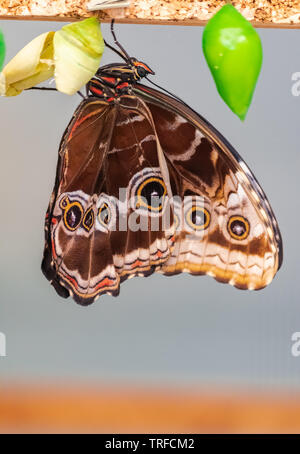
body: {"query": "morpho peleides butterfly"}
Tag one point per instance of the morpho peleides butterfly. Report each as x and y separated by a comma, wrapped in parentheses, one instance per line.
(145, 184)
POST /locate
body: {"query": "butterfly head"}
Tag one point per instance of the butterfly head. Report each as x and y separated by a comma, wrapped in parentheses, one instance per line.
(137, 68)
(141, 69)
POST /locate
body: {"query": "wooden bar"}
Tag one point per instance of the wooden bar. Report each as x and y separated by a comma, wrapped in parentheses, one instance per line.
(98, 409)
(190, 23)
(262, 13)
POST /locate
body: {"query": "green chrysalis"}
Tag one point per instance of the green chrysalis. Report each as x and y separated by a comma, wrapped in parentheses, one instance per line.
(233, 52)
(2, 49)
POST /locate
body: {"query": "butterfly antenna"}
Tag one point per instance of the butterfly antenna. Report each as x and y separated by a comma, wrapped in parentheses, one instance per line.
(52, 89)
(123, 51)
(41, 88)
(167, 91)
(115, 50)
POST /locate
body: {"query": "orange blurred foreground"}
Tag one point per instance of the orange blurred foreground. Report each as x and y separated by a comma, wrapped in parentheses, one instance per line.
(90, 409)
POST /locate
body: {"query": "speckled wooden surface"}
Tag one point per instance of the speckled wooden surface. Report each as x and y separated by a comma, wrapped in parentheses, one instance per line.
(272, 13)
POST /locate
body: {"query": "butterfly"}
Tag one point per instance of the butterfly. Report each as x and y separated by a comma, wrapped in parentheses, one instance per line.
(145, 184)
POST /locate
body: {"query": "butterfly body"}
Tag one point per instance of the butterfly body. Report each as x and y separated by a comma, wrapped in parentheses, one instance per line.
(114, 80)
(144, 184)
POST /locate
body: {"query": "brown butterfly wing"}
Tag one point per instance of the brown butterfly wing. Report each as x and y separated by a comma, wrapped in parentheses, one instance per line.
(77, 259)
(141, 242)
(227, 227)
(89, 248)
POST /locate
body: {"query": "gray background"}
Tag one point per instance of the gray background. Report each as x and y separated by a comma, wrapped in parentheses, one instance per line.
(176, 331)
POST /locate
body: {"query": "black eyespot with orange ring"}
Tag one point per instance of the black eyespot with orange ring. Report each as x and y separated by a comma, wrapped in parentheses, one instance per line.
(238, 227)
(104, 214)
(65, 201)
(88, 220)
(151, 193)
(198, 217)
(73, 214)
